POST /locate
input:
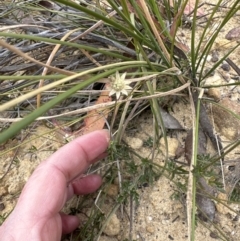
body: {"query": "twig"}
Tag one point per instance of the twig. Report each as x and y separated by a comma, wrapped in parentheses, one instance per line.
(20, 53)
(83, 110)
(45, 70)
(233, 65)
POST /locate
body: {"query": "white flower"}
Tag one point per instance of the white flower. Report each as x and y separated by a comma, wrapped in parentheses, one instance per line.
(119, 85)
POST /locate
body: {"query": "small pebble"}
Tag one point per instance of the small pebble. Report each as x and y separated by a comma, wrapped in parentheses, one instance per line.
(231, 168)
(170, 237)
(214, 93)
(150, 229)
(2, 206)
(215, 57)
(207, 70)
(150, 218)
(226, 76)
(233, 34)
(3, 190)
(236, 218)
(225, 67)
(214, 235)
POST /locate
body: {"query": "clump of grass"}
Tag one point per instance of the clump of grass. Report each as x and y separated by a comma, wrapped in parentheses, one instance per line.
(93, 41)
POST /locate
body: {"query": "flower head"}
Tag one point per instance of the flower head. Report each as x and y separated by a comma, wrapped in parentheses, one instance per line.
(119, 85)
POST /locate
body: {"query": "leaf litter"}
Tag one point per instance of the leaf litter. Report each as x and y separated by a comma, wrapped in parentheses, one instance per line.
(12, 65)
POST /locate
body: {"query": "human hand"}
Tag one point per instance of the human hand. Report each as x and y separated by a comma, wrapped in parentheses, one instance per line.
(37, 213)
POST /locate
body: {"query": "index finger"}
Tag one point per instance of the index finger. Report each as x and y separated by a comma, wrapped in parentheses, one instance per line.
(47, 187)
(73, 158)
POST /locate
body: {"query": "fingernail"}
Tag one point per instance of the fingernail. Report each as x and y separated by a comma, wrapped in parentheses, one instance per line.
(107, 134)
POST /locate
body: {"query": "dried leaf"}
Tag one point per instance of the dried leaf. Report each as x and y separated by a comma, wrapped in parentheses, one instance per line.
(169, 121)
(205, 205)
(95, 119)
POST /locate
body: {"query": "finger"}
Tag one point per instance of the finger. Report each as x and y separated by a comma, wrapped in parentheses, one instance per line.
(76, 156)
(69, 223)
(47, 187)
(85, 185)
(101, 156)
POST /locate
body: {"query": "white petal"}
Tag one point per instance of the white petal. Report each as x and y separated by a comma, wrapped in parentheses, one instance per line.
(128, 87)
(112, 92)
(118, 94)
(123, 76)
(117, 75)
(124, 92)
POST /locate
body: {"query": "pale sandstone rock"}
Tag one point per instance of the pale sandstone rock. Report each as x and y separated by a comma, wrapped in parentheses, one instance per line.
(230, 133)
(220, 207)
(106, 238)
(172, 146)
(113, 226)
(214, 93)
(16, 185)
(112, 190)
(134, 143)
(228, 125)
(26, 169)
(150, 229)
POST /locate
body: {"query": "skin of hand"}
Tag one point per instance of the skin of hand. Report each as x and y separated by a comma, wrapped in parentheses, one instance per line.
(37, 214)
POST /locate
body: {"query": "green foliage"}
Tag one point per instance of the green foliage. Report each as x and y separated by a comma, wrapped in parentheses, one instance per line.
(235, 195)
(124, 42)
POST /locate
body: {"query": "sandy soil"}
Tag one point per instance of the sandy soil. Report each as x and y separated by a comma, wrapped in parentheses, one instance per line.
(158, 216)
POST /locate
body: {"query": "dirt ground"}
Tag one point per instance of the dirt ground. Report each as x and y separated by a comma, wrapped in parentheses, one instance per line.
(158, 216)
